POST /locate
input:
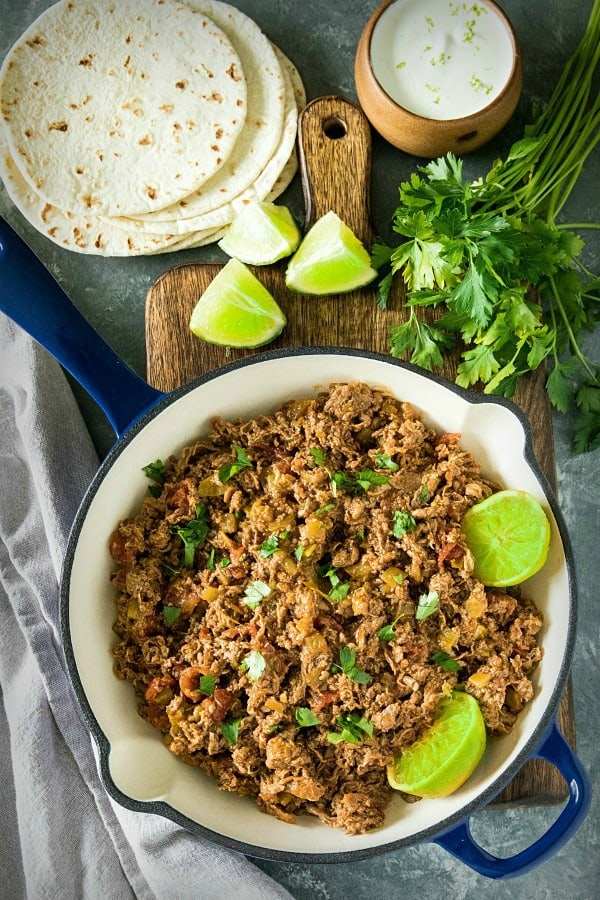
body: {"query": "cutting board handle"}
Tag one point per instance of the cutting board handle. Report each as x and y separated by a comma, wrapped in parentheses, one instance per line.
(334, 152)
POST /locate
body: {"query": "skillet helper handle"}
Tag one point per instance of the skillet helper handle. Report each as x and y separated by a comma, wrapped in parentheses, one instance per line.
(460, 843)
(334, 156)
(34, 300)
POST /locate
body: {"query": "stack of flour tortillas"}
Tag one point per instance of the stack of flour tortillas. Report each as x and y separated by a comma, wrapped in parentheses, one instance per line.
(133, 127)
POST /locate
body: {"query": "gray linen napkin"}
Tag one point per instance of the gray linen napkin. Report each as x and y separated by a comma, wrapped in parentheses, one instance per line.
(62, 835)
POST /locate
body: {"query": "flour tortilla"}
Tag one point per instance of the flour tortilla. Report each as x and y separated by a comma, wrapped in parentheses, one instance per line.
(263, 184)
(263, 127)
(96, 235)
(96, 94)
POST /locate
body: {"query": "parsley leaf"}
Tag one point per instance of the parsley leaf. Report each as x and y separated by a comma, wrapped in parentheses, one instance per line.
(385, 461)
(318, 455)
(270, 546)
(255, 592)
(155, 472)
(194, 534)
(361, 482)
(171, 614)
(427, 606)
(206, 685)
(230, 729)
(253, 665)
(447, 662)
(305, 717)
(347, 665)
(402, 523)
(339, 592)
(230, 469)
(353, 727)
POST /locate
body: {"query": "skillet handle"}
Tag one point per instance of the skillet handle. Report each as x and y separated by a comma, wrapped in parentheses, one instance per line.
(554, 748)
(34, 300)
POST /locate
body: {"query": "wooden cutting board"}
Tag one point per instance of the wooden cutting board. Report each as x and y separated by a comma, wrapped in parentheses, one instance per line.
(334, 147)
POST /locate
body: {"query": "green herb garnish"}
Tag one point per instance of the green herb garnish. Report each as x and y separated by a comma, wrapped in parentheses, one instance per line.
(305, 717)
(155, 472)
(385, 461)
(230, 469)
(255, 593)
(206, 685)
(323, 509)
(194, 534)
(230, 729)
(171, 614)
(359, 483)
(427, 606)
(353, 729)
(270, 546)
(253, 665)
(318, 456)
(402, 523)
(347, 665)
(443, 659)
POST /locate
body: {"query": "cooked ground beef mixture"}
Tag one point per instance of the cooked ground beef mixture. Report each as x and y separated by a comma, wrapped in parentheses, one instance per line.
(295, 598)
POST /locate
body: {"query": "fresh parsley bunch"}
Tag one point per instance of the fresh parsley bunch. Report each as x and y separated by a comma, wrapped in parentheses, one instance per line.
(492, 256)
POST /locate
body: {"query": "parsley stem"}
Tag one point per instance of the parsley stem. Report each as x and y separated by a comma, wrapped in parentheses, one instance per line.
(572, 340)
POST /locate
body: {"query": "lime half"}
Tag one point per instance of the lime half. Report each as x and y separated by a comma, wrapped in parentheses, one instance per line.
(236, 310)
(261, 233)
(329, 260)
(446, 755)
(508, 534)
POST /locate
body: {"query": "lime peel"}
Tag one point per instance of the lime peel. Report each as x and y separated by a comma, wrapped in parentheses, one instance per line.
(330, 260)
(446, 755)
(236, 310)
(261, 233)
(508, 534)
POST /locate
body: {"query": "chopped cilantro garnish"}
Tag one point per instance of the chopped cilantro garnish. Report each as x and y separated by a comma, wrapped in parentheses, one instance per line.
(318, 455)
(194, 534)
(353, 729)
(385, 461)
(428, 605)
(402, 523)
(365, 479)
(270, 546)
(224, 562)
(253, 665)
(305, 717)
(210, 562)
(255, 592)
(299, 552)
(230, 729)
(155, 472)
(171, 614)
(447, 662)
(230, 469)
(339, 592)
(347, 666)
(323, 509)
(423, 493)
(206, 685)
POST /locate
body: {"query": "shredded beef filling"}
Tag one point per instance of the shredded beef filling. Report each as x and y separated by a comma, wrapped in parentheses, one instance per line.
(267, 599)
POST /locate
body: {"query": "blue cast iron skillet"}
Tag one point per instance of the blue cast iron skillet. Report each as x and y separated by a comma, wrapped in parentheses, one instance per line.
(34, 300)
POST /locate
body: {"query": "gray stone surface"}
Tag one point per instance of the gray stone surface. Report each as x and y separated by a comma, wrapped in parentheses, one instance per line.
(321, 39)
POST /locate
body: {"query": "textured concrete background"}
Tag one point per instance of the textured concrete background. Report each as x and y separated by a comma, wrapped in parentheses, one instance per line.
(321, 39)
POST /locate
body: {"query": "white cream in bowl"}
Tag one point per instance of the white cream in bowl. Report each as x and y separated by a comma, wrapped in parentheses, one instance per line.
(442, 59)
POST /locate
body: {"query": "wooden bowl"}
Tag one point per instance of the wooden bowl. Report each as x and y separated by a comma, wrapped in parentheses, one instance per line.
(423, 133)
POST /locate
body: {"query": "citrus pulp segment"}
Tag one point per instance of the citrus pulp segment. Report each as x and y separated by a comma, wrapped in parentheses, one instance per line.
(329, 260)
(446, 755)
(508, 534)
(261, 233)
(236, 310)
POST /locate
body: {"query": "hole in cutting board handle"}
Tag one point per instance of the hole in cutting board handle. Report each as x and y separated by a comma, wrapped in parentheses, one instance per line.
(335, 128)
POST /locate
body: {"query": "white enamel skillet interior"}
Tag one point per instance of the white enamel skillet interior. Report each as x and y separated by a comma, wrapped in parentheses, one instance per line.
(137, 770)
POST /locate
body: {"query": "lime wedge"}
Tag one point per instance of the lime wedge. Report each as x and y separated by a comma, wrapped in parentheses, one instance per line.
(329, 260)
(508, 534)
(261, 233)
(446, 755)
(236, 310)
